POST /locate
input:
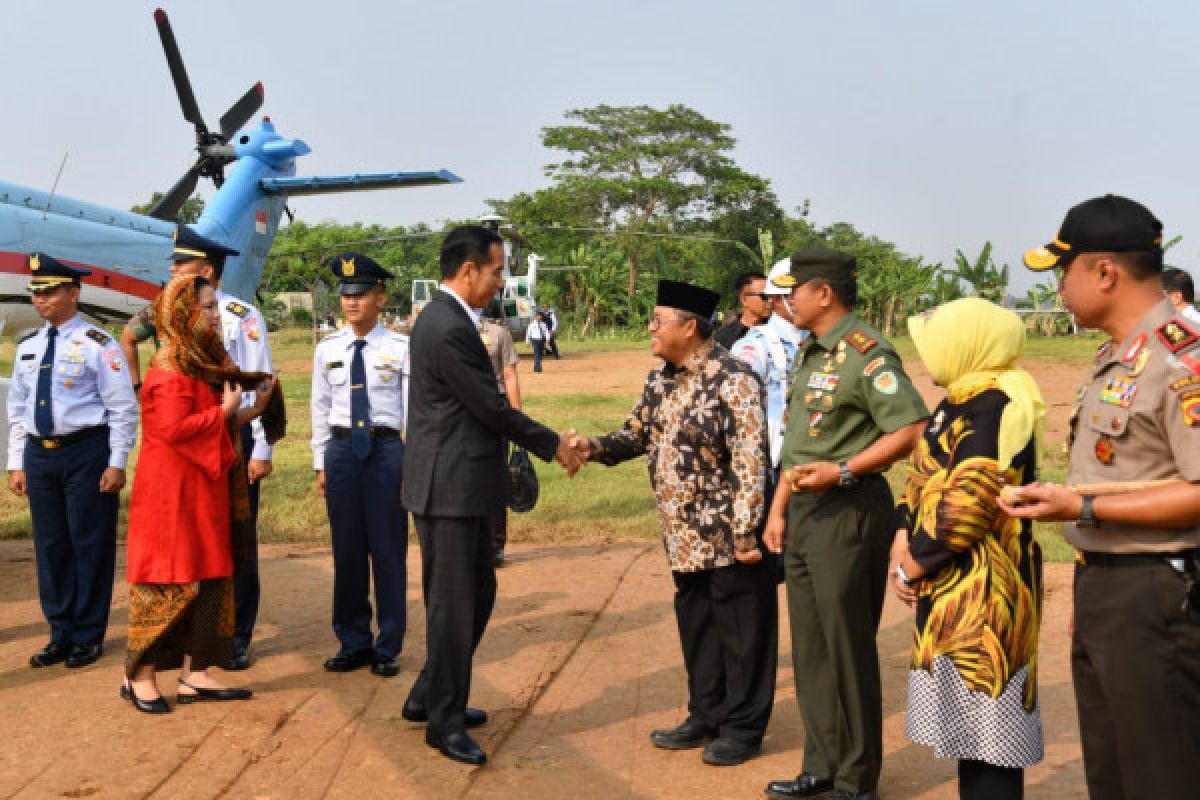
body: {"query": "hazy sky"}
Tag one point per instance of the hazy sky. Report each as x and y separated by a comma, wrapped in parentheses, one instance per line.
(937, 125)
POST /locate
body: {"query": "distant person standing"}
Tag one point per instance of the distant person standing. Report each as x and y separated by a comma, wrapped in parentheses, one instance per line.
(359, 391)
(1181, 291)
(551, 317)
(72, 420)
(755, 308)
(537, 334)
(503, 354)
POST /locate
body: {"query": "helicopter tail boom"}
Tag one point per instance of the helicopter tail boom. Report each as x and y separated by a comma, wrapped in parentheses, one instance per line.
(295, 187)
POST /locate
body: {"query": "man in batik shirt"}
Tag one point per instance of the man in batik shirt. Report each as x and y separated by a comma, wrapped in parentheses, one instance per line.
(701, 425)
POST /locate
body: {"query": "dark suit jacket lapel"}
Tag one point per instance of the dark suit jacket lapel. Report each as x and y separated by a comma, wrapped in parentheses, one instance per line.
(443, 296)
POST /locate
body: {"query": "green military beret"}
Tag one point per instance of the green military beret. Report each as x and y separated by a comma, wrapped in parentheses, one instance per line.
(818, 262)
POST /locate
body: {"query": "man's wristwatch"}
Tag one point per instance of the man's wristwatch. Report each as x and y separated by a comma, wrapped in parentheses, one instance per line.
(1087, 513)
(845, 476)
(903, 576)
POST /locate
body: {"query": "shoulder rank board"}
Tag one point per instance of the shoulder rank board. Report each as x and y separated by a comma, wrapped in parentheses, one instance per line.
(860, 341)
(98, 336)
(237, 309)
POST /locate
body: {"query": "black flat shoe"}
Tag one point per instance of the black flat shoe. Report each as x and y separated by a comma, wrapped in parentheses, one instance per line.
(729, 752)
(51, 654)
(385, 667)
(805, 785)
(415, 712)
(691, 734)
(349, 661)
(84, 654)
(239, 661)
(457, 746)
(155, 706)
(214, 695)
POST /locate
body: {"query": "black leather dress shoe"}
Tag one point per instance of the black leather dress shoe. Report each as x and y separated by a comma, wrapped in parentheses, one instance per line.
(723, 752)
(691, 734)
(155, 706)
(210, 695)
(805, 785)
(385, 667)
(239, 661)
(415, 712)
(84, 654)
(349, 661)
(457, 746)
(51, 654)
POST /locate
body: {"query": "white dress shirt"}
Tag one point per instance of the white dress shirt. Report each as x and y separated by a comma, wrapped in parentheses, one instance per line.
(476, 314)
(385, 357)
(244, 332)
(91, 387)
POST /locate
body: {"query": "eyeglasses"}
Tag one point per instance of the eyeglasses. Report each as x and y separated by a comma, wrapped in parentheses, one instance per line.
(759, 295)
(658, 322)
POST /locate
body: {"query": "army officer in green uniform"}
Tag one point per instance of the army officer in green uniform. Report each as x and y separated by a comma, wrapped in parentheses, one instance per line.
(852, 412)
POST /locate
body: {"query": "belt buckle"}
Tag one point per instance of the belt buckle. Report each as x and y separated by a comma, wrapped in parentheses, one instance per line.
(50, 444)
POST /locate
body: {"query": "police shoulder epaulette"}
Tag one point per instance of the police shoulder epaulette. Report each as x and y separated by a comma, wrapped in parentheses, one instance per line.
(98, 336)
(236, 308)
(860, 340)
(1176, 335)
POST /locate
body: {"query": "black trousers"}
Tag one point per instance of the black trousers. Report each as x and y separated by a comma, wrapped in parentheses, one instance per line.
(459, 583)
(552, 346)
(369, 528)
(539, 350)
(74, 535)
(498, 525)
(246, 588)
(1135, 659)
(979, 780)
(729, 628)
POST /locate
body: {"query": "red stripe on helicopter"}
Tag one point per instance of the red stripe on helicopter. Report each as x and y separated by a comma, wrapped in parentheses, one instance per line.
(15, 264)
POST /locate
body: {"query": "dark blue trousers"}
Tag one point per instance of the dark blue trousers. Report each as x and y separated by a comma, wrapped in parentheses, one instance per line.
(370, 541)
(246, 589)
(539, 350)
(74, 536)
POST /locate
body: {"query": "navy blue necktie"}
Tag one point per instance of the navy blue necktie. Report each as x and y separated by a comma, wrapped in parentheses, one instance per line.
(43, 412)
(360, 406)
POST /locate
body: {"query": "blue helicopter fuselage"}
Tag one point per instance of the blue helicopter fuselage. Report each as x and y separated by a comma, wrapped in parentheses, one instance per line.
(129, 254)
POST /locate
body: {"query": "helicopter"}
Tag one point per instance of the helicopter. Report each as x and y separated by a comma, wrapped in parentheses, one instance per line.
(129, 254)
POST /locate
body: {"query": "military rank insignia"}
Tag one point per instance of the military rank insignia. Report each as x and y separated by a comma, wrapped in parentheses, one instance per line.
(1119, 392)
(1176, 335)
(860, 341)
(237, 309)
(98, 336)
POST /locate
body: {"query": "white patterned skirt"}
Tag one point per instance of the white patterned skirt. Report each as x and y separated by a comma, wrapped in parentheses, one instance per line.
(957, 722)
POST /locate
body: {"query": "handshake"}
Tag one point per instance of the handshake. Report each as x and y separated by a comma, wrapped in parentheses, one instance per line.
(573, 452)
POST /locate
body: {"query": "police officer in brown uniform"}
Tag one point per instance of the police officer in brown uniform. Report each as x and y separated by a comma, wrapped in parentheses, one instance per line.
(1132, 508)
(503, 354)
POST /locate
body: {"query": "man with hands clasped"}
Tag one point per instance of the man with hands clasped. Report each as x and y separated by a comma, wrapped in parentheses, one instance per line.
(702, 426)
(852, 412)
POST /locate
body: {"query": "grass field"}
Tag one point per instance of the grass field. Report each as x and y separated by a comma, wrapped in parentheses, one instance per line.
(600, 503)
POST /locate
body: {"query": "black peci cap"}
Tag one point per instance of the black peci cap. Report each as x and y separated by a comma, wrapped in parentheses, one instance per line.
(356, 273)
(686, 297)
(1108, 224)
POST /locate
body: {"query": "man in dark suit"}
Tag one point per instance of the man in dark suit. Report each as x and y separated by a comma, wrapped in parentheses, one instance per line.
(457, 423)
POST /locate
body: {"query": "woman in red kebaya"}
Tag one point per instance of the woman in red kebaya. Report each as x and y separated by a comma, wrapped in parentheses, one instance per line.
(189, 502)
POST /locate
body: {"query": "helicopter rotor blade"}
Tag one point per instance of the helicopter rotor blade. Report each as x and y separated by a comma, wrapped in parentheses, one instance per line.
(168, 206)
(183, 86)
(240, 112)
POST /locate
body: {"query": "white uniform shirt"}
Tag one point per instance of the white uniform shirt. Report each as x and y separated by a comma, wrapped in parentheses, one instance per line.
(770, 350)
(385, 358)
(91, 386)
(244, 332)
(536, 330)
(1190, 313)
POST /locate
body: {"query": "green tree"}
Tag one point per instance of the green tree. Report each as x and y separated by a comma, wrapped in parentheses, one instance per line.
(983, 275)
(637, 170)
(191, 210)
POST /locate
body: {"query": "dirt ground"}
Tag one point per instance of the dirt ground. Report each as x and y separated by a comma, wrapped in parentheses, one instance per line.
(580, 663)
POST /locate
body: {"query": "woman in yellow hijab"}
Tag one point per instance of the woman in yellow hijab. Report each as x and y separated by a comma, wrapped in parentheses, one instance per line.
(973, 573)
